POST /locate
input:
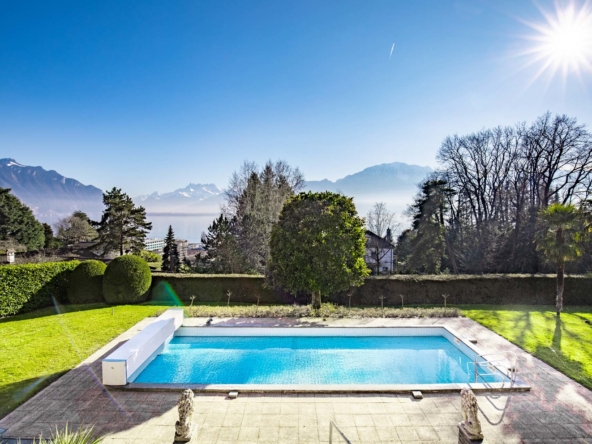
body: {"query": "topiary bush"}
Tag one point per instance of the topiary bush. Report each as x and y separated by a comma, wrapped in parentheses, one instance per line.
(86, 283)
(126, 280)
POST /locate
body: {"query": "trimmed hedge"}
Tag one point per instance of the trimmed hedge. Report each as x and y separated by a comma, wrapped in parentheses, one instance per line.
(29, 287)
(496, 289)
(126, 280)
(86, 283)
(417, 290)
(167, 287)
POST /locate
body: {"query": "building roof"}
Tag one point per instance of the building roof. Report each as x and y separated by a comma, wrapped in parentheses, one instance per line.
(378, 241)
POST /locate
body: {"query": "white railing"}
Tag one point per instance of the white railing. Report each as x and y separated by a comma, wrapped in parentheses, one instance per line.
(505, 367)
(333, 425)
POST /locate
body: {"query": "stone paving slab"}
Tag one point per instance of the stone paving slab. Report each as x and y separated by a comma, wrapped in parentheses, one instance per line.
(556, 410)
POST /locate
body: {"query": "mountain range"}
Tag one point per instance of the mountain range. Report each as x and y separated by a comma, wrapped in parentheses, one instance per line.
(52, 196)
(205, 197)
(49, 194)
(379, 179)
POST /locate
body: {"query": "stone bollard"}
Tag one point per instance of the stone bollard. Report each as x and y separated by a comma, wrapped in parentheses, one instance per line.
(469, 430)
(184, 427)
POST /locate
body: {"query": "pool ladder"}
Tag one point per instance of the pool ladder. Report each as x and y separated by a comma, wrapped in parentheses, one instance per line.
(333, 425)
(506, 367)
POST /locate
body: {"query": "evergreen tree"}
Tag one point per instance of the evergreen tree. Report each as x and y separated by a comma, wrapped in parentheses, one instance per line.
(50, 240)
(123, 226)
(430, 246)
(255, 200)
(170, 253)
(17, 222)
(222, 250)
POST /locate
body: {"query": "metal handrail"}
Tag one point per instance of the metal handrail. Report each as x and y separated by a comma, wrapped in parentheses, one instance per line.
(496, 364)
(332, 424)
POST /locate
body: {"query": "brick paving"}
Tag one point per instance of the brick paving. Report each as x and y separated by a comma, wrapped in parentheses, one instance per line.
(556, 410)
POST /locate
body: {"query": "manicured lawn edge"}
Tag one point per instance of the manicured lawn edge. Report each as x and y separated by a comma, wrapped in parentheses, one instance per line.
(561, 343)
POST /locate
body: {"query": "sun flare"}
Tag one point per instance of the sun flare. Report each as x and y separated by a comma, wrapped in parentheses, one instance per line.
(564, 42)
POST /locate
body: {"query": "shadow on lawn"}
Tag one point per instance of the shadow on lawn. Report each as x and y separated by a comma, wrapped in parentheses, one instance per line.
(556, 358)
(52, 311)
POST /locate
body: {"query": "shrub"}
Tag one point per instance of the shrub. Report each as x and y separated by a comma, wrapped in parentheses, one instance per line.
(29, 287)
(149, 256)
(86, 283)
(126, 280)
(68, 436)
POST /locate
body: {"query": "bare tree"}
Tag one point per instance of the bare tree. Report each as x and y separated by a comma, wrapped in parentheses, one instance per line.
(559, 158)
(380, 219)
(73, 229)
(381, 223)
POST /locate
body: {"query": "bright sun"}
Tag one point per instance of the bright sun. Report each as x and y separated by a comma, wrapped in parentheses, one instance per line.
(564, 42)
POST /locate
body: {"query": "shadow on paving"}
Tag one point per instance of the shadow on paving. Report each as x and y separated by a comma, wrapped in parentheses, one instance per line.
(14, 394)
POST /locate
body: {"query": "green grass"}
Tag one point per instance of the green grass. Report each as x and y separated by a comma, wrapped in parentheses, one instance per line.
(38, 347)
(565, 343)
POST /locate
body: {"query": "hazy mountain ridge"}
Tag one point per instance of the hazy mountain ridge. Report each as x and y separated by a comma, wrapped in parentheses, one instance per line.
(49, 194)
(52, 196)
(378, 179)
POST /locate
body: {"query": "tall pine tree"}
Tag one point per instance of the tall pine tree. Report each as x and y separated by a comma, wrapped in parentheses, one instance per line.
(170, 254)
(123, 226)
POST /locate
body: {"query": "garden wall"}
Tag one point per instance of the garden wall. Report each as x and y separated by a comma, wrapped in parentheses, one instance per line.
(28, 287)
(417, 290)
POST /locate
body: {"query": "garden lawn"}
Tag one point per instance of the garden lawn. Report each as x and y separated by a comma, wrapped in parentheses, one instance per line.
(565, 343)
(38, 347)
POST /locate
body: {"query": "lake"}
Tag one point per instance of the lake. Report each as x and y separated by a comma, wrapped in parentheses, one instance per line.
(185, 225)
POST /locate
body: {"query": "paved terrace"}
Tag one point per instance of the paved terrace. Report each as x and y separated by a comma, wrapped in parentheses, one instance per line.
(556, 410)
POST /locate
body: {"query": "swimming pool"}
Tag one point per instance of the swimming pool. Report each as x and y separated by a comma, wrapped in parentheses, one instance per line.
(171, 352)
(310, 360)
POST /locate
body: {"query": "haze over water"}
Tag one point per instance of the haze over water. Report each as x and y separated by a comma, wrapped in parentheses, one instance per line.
(190, 225)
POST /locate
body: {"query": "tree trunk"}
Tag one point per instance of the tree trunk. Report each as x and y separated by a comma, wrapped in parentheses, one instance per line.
(559, 302)
(316, 300)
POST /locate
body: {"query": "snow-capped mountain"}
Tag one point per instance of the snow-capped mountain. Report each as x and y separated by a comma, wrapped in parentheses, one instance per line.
(195, 197)
(50, 195)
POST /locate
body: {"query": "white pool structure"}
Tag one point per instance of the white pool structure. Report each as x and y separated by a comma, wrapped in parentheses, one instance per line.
(167, 354)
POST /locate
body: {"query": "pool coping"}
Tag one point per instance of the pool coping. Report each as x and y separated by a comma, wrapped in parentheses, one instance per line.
(517, 386)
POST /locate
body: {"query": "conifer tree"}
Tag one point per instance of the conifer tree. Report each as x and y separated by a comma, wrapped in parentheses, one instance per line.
(222, 251)
(17, 222)
(123, 226)
(170, 254)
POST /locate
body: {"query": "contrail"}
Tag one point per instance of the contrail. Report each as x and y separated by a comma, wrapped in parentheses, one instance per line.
(392, 47)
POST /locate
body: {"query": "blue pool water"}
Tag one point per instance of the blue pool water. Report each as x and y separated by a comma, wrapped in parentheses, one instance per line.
(309, 360)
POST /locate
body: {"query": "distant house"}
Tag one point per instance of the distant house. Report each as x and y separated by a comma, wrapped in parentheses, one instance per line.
(380, 253)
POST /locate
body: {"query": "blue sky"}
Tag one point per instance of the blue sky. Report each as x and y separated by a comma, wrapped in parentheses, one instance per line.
(151, 95)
